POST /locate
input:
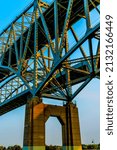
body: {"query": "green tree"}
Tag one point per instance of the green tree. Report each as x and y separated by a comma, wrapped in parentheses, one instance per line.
(10, 148)
(98, 147)
(2, 148)
(84, 146)
(53, 147)
(15, 147)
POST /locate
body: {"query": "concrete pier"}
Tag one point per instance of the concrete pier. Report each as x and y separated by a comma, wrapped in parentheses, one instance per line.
(36, 116)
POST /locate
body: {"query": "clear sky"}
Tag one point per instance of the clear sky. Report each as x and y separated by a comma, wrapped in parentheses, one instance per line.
(88, 102)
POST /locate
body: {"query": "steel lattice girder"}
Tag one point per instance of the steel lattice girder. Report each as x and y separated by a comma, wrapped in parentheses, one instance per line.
(44, 60)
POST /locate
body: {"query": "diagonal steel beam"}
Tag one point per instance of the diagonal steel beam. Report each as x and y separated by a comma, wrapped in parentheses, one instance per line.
(46, 30)
(89, 78)
(66, 23)
(80, 88)
(88, 33)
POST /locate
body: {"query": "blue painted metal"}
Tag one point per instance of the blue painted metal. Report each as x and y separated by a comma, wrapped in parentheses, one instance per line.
(40, 55)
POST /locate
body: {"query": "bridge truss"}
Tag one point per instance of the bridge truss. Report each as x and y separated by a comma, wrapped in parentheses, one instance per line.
(47, 49)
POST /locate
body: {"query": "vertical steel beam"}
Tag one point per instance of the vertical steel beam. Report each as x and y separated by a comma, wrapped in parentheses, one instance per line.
(86, 11)
(10, 51)
(49, 57)
(56, 30)
(15, 43)
(21, 38)
(91, 54)
(69, 89)
(97, 53)
(35, 84)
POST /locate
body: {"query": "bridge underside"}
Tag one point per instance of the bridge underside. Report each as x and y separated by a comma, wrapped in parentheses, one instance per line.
(46, 51)
(21, 99)
(37, 57)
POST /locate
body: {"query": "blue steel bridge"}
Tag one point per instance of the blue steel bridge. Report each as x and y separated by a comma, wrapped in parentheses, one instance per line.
(46, 50)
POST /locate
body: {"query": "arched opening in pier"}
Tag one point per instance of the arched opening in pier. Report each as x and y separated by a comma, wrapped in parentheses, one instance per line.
(53, 132)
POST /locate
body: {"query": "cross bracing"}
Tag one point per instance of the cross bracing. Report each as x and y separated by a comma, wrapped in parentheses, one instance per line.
(47, 49)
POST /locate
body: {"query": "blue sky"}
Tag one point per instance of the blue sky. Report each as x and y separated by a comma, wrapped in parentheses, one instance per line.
(12, 123)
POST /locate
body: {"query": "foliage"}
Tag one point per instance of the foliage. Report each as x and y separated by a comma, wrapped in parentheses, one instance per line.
(2, 148)
(91, 147)
(15, 147)
(53, 147)
(84, 147)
